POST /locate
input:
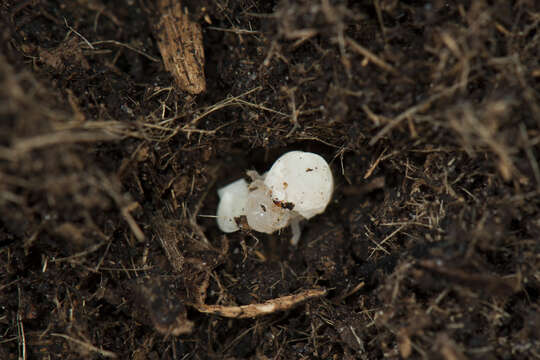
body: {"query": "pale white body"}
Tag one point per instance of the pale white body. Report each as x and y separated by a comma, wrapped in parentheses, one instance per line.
(232, 204)
(298, 186)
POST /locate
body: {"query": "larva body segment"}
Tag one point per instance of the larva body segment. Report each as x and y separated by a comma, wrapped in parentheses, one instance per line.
(262, 213)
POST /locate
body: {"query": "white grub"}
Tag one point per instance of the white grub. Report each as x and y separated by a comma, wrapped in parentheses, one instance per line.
(303, 179)
(298, 186)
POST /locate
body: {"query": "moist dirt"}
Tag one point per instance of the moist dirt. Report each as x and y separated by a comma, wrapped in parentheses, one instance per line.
(428, 113)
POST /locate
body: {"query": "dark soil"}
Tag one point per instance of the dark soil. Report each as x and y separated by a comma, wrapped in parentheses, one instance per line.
(429, 113)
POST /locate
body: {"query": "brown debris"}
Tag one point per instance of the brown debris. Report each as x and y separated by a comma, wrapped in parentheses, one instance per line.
(180, 43)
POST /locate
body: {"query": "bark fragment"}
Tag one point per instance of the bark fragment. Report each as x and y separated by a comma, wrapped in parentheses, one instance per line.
(180, 42)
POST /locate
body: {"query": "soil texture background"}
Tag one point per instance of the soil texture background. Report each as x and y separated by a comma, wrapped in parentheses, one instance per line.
(427, 111)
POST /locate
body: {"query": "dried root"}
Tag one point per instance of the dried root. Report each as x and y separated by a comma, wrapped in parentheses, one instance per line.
(268, 307)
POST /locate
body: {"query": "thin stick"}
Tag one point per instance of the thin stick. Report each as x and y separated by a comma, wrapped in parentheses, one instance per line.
(87, 346)
(224, 103)
(20, 329)
(530, 154)
(379, 245)
(374, 166)
(372, 57)
(79, 35)
(118, 43)
(85, 252)
(236, 31)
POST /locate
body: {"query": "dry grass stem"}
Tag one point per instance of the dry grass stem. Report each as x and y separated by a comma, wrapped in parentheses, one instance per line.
(87, 346)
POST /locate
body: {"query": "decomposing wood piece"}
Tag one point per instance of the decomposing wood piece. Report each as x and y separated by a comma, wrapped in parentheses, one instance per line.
(180, 42)
(268, 307)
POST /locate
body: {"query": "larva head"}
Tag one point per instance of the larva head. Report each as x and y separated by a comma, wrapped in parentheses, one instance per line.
(303, 181)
